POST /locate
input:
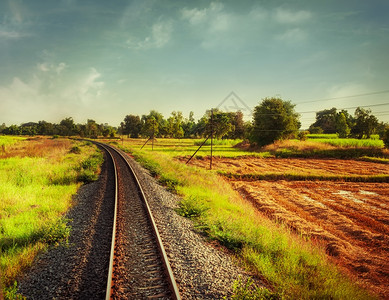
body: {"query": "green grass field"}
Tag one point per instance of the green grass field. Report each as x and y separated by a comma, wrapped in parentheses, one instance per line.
(293, 267)
(187, 147)
(36, 190)
(322, 146)
(6, 140)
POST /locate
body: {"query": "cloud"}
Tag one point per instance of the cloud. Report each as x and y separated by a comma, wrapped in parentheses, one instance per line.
(48, 67)
(160, 35)
(212, 25)
(292, 17)
(211, 18)
(346, 89)
(87, 89)
(11, 34)
(51, 94)
(197, 16)
(292, 35)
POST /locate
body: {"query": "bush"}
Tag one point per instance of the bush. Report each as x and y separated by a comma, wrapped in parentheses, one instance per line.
(303, 135)
(169, 182)
(75, 150)
(250, 291)
(191, 207)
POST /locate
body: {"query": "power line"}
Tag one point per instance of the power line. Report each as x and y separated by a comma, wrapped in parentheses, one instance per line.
(345, 97)
(353, 107)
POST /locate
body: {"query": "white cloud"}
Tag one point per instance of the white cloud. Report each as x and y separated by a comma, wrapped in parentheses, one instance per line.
(211, 24)
(197, 16)
(292, 17)
(53, 68)
(87, 89)
(159, 37)
(61, 66)
(293, 35)
(49, 94)
(10, 34)
(346, 89)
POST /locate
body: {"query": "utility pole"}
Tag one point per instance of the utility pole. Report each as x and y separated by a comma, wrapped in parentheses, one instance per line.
(210, 162)
(152, 141)
(122, 134)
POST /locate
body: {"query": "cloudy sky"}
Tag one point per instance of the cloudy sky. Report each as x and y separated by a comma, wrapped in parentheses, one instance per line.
(102, 60)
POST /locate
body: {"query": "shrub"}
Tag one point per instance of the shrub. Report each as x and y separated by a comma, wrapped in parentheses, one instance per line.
(303, 135)
(169, 182)
(250, 291)
(191, 207)
(75, 150)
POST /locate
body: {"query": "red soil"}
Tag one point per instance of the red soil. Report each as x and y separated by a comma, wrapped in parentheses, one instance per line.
(250, 165)
(350, 220)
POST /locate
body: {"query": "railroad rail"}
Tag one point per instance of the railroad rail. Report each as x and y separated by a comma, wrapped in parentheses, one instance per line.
(139, 267)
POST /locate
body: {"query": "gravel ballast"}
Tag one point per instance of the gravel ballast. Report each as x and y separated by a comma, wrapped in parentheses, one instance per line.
(201, 270)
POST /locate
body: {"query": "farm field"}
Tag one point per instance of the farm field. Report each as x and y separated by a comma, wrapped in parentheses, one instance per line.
(350, 220)
(38, 177)
(324, 167)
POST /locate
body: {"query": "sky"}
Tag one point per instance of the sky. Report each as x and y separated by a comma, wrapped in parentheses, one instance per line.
(103, 60)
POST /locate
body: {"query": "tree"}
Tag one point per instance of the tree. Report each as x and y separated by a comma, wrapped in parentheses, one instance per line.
(155, 122)
(221, 124)
(174, 125)
(2, 127)
(236, 119)
(150, 127)
(92, 129)
(365, 123)
(385, 137)
(326, 120)
(274, 119)
(215, 121)
(342, 127)
(132, 126)
(67, 127)
(189, 125)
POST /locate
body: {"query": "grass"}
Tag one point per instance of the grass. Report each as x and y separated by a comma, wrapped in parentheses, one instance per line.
(38, 179)
(341, 148)
(187, 147)
(293, 267)
(322, 146)
(322, 136)
(305, 177)
(349, 143)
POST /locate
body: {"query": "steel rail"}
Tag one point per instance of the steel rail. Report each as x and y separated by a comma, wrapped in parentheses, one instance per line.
(165, 260)
(111, 258)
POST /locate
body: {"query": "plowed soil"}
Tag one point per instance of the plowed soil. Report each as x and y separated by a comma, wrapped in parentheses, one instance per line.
(350, 220)
(250, 165)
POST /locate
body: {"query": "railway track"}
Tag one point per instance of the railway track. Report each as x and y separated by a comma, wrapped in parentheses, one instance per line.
(139, 267)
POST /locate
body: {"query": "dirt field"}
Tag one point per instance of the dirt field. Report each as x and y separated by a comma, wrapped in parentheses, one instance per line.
(350, 220)
(251, 165)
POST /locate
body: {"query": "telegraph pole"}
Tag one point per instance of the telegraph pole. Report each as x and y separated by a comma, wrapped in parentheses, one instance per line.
(210, 162)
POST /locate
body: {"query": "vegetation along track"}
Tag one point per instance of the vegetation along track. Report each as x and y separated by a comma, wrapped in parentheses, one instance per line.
(139, 268)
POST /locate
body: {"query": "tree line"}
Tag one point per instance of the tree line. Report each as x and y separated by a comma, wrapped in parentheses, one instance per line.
(273, 119)
(66, 127)
(224, 125)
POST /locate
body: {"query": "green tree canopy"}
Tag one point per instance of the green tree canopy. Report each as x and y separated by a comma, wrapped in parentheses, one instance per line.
(274, 119)
(132, 126)
(326, 120)
(365, 123)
